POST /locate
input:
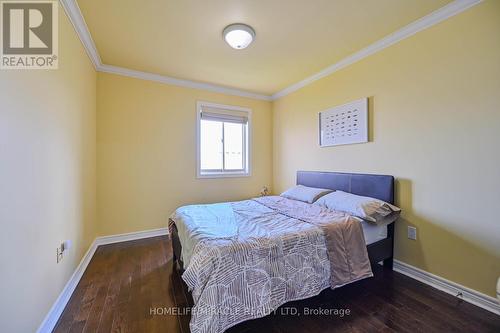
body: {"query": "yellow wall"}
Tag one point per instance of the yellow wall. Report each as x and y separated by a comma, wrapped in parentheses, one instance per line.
(435, 125)
(146, 160)
(47, 179)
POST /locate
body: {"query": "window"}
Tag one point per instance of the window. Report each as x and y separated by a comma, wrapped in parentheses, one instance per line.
(223, 136)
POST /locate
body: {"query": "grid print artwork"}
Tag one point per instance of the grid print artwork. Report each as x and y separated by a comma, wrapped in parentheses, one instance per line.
(345, 124)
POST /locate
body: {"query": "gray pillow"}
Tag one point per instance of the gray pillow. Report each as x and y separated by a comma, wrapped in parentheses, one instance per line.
(369, 209)
(304, 193)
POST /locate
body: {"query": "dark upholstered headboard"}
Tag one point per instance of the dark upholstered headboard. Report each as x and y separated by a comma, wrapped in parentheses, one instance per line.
(375, 186)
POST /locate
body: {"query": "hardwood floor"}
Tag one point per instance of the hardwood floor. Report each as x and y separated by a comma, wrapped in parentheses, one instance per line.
(125, 282)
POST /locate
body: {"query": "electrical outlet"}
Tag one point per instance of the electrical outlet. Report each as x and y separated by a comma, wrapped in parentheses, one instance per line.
(412, 233)
(59, 254)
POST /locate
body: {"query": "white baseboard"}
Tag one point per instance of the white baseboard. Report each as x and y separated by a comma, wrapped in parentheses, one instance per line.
(484, 301)
(471, 296)
(103, 240)
(57, 308)
(50, 321)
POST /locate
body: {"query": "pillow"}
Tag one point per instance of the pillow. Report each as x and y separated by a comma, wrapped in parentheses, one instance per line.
(369, 209)
(304, 193)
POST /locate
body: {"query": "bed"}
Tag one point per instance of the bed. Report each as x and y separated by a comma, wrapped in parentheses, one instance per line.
(286, 262)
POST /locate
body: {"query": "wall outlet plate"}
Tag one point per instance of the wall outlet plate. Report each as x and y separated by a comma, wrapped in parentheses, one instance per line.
(59, 254)
(412, 233)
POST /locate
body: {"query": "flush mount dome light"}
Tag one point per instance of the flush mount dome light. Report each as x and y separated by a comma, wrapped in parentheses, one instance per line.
(238, 35)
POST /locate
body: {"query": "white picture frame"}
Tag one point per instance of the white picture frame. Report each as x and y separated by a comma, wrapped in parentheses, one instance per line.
(344, 124)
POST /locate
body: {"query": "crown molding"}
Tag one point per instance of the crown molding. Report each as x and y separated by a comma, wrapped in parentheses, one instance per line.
(75, 16)
(441, 14)
(180, 82)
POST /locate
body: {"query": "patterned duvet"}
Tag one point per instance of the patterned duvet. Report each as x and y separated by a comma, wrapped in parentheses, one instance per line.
(245, 259)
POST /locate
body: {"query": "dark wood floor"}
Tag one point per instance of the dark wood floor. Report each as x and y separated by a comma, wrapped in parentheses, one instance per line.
(125, 281)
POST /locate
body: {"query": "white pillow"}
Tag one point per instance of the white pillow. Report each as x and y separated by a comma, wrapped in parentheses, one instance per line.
(304, 193)
(369, 209)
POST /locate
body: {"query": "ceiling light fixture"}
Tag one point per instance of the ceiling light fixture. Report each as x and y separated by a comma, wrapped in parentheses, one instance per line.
(238, 35)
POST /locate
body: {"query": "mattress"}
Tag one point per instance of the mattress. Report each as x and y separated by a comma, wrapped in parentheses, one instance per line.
(373, 232)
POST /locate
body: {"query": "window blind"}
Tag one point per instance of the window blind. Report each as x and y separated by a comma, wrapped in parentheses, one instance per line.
(228, 116)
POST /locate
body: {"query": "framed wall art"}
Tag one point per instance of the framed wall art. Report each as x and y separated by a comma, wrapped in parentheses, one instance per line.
(344, 124)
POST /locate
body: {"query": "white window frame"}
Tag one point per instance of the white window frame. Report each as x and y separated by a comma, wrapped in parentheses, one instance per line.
(246, 172)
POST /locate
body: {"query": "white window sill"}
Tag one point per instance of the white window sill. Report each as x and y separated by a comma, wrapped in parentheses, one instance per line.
(223, 174)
